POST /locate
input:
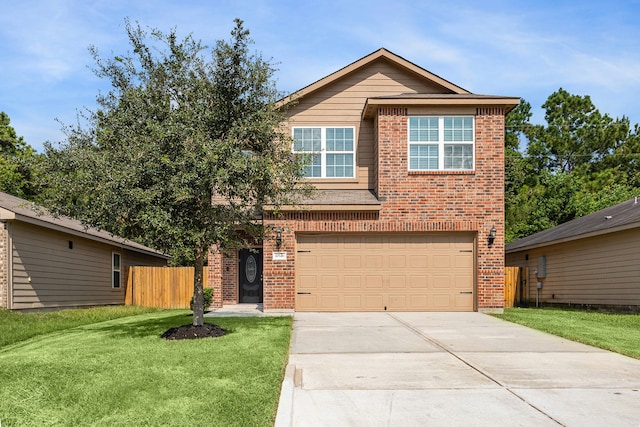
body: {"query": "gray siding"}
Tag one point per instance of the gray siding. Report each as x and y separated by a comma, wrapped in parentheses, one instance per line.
(601, 270)
(46, 273)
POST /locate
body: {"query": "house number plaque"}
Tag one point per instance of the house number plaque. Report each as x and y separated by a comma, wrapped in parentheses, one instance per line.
(279, 256)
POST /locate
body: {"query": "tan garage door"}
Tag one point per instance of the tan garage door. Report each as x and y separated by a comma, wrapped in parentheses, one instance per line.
(393, 272)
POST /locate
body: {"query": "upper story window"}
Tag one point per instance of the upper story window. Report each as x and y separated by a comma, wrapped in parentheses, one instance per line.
(332, 151)
(441, 143)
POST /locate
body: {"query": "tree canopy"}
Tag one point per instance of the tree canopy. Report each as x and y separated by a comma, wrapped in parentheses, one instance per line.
(579, 162)
(182, 126)
(18, 162)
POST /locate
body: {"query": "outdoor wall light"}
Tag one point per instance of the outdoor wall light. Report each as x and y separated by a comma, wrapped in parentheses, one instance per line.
(278, 238)
(492, 235)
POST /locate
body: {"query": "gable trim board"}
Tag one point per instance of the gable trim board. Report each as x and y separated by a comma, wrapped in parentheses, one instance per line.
(380, 54)
(376, 95)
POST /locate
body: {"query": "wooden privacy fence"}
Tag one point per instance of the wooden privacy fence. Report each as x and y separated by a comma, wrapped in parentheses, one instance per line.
(161, 287)
(515, 285)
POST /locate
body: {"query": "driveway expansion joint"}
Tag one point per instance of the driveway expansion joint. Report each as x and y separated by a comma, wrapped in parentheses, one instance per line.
(467, 363)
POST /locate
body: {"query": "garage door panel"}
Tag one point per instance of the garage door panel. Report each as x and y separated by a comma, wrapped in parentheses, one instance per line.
(329, 302)
(352, 282)
(353, 302)
(442, 261)
(463, 300)
(442, 301)
(373, 261)
(464, 261)
(308, 282)
(397, 272)
(396, 282)
(352, 261)
(329, 282)
(373, 302)
(329, 261)
(462, 282)
(373, 282)
(419, 261)
(418, 302)
(397, 302)
(306, 302)
(397, 261)
(419, 282)
(441, 282)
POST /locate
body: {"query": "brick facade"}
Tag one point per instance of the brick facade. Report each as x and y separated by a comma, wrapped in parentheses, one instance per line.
(410, 202)
(376, 95)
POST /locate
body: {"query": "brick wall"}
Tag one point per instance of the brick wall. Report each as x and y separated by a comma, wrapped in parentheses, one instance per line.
(412, 202)
(230, 279)
(214, 274)
(4, 273)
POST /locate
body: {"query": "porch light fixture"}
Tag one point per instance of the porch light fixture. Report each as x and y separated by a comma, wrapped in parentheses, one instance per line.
(492, 235)
(278, 238)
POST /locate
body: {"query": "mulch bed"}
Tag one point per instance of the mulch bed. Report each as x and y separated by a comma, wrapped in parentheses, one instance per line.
(190, 332)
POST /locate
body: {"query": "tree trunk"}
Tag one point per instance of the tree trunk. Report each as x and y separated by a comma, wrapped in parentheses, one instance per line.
(198, 289)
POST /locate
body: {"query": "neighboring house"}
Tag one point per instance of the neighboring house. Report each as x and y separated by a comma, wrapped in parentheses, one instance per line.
(592, 260)
(55, 262)
(410, 175)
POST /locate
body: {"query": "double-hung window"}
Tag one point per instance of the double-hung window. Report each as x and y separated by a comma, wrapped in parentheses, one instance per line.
(331, 151)
(441, 143)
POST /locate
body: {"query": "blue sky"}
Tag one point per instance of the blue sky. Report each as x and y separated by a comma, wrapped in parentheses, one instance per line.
(526, 49)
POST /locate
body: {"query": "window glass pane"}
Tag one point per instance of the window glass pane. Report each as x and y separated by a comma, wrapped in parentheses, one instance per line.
(423, 157)
(307, 139)
(458, 129)
(340, 165)
(314, 168)
(339, 139)
(116, 279)
(459, 156)
(423, 129)
(116, 261)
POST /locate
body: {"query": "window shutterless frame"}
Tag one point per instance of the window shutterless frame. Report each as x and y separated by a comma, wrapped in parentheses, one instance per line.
(116, 268)
(441, 143)
(331, 148)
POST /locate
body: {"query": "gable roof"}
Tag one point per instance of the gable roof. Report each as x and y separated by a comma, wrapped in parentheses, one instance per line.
(379, 54)
(13, 208)
(620, 217)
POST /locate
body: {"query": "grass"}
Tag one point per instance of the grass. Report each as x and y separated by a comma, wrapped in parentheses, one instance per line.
(611, 331)
(17, 326)
(121, 373)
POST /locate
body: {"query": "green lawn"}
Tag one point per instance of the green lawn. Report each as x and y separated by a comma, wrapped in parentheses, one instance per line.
(18, 326)
(121, 373)
(615, 332)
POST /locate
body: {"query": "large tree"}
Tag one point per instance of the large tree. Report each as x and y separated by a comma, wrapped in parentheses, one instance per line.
(580, 161)
(182, 126)
(17, 162)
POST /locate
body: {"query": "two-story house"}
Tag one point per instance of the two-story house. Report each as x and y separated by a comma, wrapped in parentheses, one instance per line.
(409, 212)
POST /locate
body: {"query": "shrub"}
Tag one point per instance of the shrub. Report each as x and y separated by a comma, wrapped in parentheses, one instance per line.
(208, 298)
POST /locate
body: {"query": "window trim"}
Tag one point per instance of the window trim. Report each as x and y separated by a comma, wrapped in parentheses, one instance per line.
(440, 144)
(323, 151)
(115, 270)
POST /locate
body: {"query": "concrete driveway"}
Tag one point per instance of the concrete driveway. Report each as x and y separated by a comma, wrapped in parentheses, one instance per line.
(419, 369)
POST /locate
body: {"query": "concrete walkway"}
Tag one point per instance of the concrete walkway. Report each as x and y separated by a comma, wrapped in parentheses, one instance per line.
(443, 369)
(246, 310)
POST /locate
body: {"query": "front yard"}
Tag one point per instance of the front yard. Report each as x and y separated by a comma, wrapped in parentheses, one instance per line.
(121, 373)
(611, 331)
